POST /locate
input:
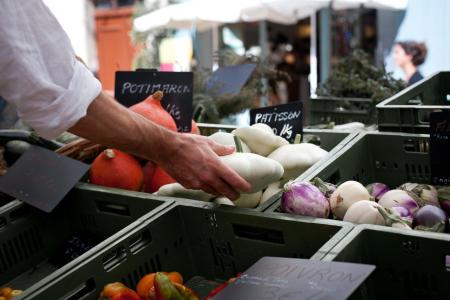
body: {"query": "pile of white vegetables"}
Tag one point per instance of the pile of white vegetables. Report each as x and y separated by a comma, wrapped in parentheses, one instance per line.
(409, 206)
(264, 159)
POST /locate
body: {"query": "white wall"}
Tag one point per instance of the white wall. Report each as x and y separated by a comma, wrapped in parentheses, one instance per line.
(427, 21)
(77, 19)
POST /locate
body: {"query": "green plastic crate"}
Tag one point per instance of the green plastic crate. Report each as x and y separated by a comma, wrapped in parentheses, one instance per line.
(31, 240)
(341, 110)
(409, 264)
(213, 244)
(409, 110)
(390, 158)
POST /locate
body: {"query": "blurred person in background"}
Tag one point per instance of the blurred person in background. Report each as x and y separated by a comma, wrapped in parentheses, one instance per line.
(408, 55)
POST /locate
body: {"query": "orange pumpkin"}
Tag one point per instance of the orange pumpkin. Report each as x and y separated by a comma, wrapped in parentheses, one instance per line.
(114, 168)
(159, 178)
(152, 110)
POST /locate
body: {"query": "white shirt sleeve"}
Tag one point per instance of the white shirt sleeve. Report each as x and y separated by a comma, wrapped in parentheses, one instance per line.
(39, 73)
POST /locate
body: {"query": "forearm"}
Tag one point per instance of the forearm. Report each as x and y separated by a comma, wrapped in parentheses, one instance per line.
(110, 124)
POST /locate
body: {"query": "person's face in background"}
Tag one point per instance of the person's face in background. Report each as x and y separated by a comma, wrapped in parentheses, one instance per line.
(401, 59)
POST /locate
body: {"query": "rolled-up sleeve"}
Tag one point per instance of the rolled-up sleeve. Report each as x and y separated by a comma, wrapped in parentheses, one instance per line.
(39, 73)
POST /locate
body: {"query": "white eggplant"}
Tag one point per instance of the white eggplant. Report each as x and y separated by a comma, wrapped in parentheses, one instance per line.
(364, 212)
(345, 195)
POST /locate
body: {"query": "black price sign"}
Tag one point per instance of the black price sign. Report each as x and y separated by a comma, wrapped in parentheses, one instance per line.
(286, 120)
(299, 279)
(133, 87)
(440, 147)
(42, 178)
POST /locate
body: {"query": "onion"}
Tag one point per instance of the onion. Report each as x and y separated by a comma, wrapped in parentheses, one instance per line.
(425, 193)
(399, 198)
(303, 198)
(345, 195)
(377, 190)
(430, 218)
(364, 212)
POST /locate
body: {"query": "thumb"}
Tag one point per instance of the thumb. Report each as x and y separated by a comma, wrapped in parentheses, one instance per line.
(222, 150)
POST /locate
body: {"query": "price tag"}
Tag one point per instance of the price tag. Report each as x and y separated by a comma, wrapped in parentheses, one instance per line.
(300, 279)
(286, 120)
(229, 80)
(440, 147)
(133, 87)
(42, 178)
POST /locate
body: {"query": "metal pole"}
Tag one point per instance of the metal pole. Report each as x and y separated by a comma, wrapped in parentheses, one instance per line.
(325, 43)
(264, 101)
(313, 76)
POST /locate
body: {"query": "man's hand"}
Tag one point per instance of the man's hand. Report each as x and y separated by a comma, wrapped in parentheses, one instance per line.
(193, 161)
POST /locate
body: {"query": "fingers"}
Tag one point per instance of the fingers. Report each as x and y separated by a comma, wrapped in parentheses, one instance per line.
(232, 178)
(221, 150)
(224, 189)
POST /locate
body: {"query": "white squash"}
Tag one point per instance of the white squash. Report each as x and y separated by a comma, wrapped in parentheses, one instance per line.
(227, 139)
(297, 158)
(260, 138)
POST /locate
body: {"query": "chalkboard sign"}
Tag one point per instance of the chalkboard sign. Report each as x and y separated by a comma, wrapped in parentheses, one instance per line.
(440, 147)
(299, 279)
(286, 120)
(42, 178)
(133, 87)
(229, 80)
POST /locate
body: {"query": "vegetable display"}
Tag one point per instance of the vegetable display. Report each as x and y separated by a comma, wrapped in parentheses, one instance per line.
(266, 175)
(409, 206)
(262, 158)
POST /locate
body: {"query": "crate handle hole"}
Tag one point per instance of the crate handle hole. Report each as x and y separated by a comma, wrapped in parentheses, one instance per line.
(114, 258)
(82, 290)
(259, 234)
(113, 208)
(140, 242)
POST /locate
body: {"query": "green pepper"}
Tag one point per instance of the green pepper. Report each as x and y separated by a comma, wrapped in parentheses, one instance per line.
(164, 288)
